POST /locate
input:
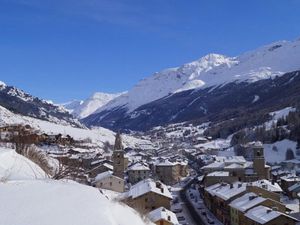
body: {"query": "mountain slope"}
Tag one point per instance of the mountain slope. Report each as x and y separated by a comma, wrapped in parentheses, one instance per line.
(183, 93)
(212, 70)
(230, 101)
(17, 101)
(82, 109)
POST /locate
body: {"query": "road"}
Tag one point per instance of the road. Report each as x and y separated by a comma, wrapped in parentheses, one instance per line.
(188, 215)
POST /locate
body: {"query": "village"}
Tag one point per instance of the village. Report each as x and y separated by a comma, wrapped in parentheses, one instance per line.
(176, 183)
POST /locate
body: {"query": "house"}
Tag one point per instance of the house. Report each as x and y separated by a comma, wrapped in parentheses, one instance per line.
(218, 177)
(241, 205)
(148, 195)
(238, 167)
(108, 181)
(294, 190)
(288, 181)
(162, 216)
(293, 164)
(268, 216)
(217, 198)
(167, 172)
(105, 166)
(265, 188)
(137, 172)
(170, 172)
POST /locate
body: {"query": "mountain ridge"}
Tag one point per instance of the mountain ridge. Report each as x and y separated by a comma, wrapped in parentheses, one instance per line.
(212, 72)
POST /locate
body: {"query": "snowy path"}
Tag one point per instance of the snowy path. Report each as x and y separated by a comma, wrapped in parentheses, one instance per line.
(183, 213)
(203, 212)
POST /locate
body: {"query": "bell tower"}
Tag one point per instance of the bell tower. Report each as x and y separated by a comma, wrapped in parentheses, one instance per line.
(259, 164)
(118, 157)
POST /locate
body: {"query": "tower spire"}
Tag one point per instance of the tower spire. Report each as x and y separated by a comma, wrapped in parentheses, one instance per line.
(118, 142)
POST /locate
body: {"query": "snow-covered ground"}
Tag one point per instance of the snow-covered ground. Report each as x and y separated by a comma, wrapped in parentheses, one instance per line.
(276, 152)
(16, 167)
(27, 197)
(277, 115)
(49, 202)
(97, 135)
(216, 144)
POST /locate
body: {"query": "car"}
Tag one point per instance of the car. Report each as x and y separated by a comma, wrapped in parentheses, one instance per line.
(210, 221)
(180, 218)
(177, 210)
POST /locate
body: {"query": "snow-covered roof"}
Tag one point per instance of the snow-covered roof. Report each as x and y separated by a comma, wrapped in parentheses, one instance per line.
(214, 165)
(290, 177)
(294, 186)
(108, 166)
(218, 174)
(246, 202)
(163, 214)
(148, 185)
(226, 191)
(234, 166)
(230, 159)
(165, 163)
(263, 215)
(139, 166)
(103, 175)
(293, 161)
(268, 185)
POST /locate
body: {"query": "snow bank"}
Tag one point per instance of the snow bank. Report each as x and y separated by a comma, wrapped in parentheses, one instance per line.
(50, 202)
(28, 197)
(16, 167)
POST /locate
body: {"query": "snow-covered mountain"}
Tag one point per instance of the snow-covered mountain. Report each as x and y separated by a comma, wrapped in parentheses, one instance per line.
(212, 70)
(209, 72)
(20, 102)
(82, 109)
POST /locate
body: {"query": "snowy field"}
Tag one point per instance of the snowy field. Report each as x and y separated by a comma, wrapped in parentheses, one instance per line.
(97, 135)
(273, 156)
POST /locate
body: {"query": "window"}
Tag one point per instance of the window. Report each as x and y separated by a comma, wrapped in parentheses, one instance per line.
(146, 199)
(110, 183)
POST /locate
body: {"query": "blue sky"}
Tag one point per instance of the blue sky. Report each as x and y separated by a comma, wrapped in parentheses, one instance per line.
(68, 49)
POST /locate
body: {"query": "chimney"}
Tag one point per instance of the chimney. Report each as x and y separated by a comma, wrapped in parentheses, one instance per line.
(273, 182)
(158, 184)
(252, 197)
(269, 210)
